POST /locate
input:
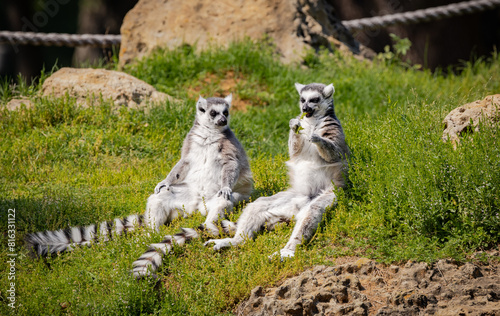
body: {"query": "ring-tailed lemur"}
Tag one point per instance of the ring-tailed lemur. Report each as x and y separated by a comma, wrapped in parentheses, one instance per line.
(212, 175)
(318, 162)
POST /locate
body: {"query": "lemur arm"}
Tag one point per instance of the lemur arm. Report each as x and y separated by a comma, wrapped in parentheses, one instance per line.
(230, 173)
(295, 139)
(177, 174)
(327, 149)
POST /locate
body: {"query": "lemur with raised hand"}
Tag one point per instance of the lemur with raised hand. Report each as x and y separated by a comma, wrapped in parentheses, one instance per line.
(212, 176)
(318, 163)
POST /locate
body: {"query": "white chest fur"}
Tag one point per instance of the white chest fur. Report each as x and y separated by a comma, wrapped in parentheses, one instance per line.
(205, 166)
(309, 172)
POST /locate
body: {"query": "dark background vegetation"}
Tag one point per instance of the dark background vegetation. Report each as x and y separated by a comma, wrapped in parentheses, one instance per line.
(437, 44)
(59, 16)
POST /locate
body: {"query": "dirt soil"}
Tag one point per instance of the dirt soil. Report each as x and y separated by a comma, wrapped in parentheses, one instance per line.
(221, 84)
(363, 287)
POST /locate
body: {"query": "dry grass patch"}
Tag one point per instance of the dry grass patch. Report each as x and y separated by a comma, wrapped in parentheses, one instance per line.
(246, 92)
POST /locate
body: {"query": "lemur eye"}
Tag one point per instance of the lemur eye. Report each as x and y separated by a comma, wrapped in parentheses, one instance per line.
(202, 110)
(302, 100)
(314, 100)
(213, 113)
(226, 113)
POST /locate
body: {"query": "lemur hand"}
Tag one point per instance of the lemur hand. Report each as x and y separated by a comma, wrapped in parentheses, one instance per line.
(294, 124)
(315, 138)
(162, 186)
(225, 192)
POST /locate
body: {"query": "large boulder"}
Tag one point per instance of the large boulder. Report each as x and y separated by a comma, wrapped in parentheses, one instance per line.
(292, 24)
(89, 85)
(466, 118)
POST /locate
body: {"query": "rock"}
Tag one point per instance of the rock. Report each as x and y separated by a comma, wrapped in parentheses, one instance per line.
(89, 85)
(471, 271)
(314, 291)
(15, 104)
(292, 24)
(458, 121)
(364, 287)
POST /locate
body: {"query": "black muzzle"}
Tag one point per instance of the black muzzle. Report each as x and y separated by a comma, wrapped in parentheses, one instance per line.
(308, 110)
(222, 121)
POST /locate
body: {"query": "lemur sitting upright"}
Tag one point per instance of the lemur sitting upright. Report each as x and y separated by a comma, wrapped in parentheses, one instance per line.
(212, 176)
(318, 162)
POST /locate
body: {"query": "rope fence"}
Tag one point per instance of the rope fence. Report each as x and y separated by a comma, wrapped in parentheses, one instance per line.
(59, 39)
(418, 16)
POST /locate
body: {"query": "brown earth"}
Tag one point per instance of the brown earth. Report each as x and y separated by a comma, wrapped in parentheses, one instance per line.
(363, 287)
(220, 85)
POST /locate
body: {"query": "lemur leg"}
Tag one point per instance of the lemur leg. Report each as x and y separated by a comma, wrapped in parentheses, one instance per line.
(282, 205)
(216, 209)
(213, 208)
(163, 207)
(227, 206)
(308, 220)
(166, 206)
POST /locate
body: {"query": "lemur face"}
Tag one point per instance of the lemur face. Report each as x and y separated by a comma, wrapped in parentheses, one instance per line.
(213, 112)
(315, 98)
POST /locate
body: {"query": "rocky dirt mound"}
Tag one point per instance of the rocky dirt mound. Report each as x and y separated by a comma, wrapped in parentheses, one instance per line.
(364, 287)
(293, 25)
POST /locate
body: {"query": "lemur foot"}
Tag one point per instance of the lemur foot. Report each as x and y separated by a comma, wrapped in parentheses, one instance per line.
(162, 186)
(218, 244)
(283, 253)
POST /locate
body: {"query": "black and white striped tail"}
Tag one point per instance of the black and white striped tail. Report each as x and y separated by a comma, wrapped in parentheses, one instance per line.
(152, 259)
(51, 242)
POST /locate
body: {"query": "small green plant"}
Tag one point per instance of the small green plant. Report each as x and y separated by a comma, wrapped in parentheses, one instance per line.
(19, 87)
(311, 58)
(400, 48)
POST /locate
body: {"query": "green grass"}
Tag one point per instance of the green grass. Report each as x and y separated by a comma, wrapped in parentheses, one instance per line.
(412, 196)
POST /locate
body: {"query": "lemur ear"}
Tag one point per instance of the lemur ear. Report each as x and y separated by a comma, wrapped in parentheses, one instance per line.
(299, 87)
(329, 90)
(201, 104)
(229, 98)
